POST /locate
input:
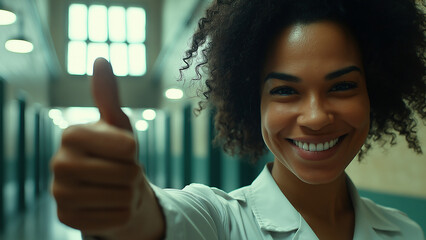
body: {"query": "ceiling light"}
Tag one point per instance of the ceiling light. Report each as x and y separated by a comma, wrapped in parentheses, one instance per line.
(19, 45)
(149, 114)
(174, 93)
(81, 115)
(63, 124)
(55, 113)
(6, 16)
(141, 125)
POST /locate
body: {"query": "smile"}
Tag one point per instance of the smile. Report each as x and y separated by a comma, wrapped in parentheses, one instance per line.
(316, 147)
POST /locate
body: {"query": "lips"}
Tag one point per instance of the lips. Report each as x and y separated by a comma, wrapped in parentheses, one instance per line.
(312, 147)
(316, 146)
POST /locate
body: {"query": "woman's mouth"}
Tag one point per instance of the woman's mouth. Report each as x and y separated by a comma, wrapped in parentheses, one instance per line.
(316, 147)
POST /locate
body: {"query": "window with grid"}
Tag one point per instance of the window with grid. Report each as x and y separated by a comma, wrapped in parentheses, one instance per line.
(116, 33)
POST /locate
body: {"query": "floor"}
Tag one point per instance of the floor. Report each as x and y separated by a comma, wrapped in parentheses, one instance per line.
(39, 223)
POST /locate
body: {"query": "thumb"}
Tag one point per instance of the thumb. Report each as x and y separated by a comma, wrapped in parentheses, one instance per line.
(105, 95)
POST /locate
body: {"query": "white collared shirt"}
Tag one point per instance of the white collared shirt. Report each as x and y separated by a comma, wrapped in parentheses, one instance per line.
(261, 211)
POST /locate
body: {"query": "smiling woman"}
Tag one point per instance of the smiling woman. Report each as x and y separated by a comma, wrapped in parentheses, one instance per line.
(321, 100)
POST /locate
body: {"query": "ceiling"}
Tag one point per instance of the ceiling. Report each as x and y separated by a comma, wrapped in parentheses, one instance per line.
(40, 64)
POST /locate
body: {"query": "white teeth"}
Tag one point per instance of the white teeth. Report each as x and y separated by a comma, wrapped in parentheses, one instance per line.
(326, 146)
(305, 147)
(312, 147)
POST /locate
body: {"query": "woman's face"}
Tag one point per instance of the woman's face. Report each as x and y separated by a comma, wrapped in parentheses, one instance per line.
(314, 101)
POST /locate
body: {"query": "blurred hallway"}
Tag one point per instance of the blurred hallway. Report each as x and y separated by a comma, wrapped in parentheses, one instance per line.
(39, 223)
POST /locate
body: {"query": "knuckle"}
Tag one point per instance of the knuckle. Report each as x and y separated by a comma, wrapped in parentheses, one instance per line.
(60, 165)
(59, 193)
(129, 144)
(72, 133)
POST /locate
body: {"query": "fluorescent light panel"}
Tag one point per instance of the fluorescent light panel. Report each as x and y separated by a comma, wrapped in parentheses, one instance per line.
(7, 17)
(19, 46)
(91, 27)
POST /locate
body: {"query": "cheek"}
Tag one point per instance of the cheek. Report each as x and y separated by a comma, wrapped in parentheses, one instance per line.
(276, 118)
(357, 113)
(269, 120)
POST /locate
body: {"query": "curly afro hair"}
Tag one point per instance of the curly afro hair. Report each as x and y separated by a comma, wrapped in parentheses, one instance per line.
(233, 39)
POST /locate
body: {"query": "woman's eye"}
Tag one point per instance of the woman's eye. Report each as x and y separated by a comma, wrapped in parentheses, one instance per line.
(283, 91)
(343, 86)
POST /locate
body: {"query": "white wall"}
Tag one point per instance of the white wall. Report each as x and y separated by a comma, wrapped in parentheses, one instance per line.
(395, 169)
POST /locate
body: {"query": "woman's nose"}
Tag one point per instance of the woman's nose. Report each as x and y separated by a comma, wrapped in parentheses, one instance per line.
(314, 114)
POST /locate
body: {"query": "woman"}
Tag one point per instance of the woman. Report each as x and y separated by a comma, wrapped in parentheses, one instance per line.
(310, 81)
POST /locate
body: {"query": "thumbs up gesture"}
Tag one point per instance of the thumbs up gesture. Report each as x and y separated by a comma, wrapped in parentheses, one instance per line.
(105, 94)
(98, 185)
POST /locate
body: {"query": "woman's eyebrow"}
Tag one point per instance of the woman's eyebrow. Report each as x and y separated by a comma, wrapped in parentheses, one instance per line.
(330, 76)
(282, 76)
(341, 72)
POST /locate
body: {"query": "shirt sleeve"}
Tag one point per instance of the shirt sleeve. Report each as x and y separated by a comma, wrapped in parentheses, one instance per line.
(194, 212)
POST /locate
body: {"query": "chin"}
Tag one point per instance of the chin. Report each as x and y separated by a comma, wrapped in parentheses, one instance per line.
(318, 177)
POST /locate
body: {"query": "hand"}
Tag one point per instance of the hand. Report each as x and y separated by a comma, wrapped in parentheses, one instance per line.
(98, 185)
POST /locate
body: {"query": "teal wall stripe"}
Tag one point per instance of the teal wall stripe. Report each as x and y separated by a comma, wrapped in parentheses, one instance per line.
(2, 160)
(215, 156)
(143, 148)
(150, 144)
(247, 172)
(21, 154)
(168, 154)
(153, 157)
(187, 144)
(46, 151)
(36, 156)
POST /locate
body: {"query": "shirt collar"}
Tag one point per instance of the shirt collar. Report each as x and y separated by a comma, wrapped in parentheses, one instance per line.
(271, 208)
(264, 193)
(367, 215)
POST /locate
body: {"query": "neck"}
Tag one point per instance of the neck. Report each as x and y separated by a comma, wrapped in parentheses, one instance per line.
(327, 202)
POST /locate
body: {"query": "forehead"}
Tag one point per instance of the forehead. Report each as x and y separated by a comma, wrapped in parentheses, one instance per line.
(326, 44)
